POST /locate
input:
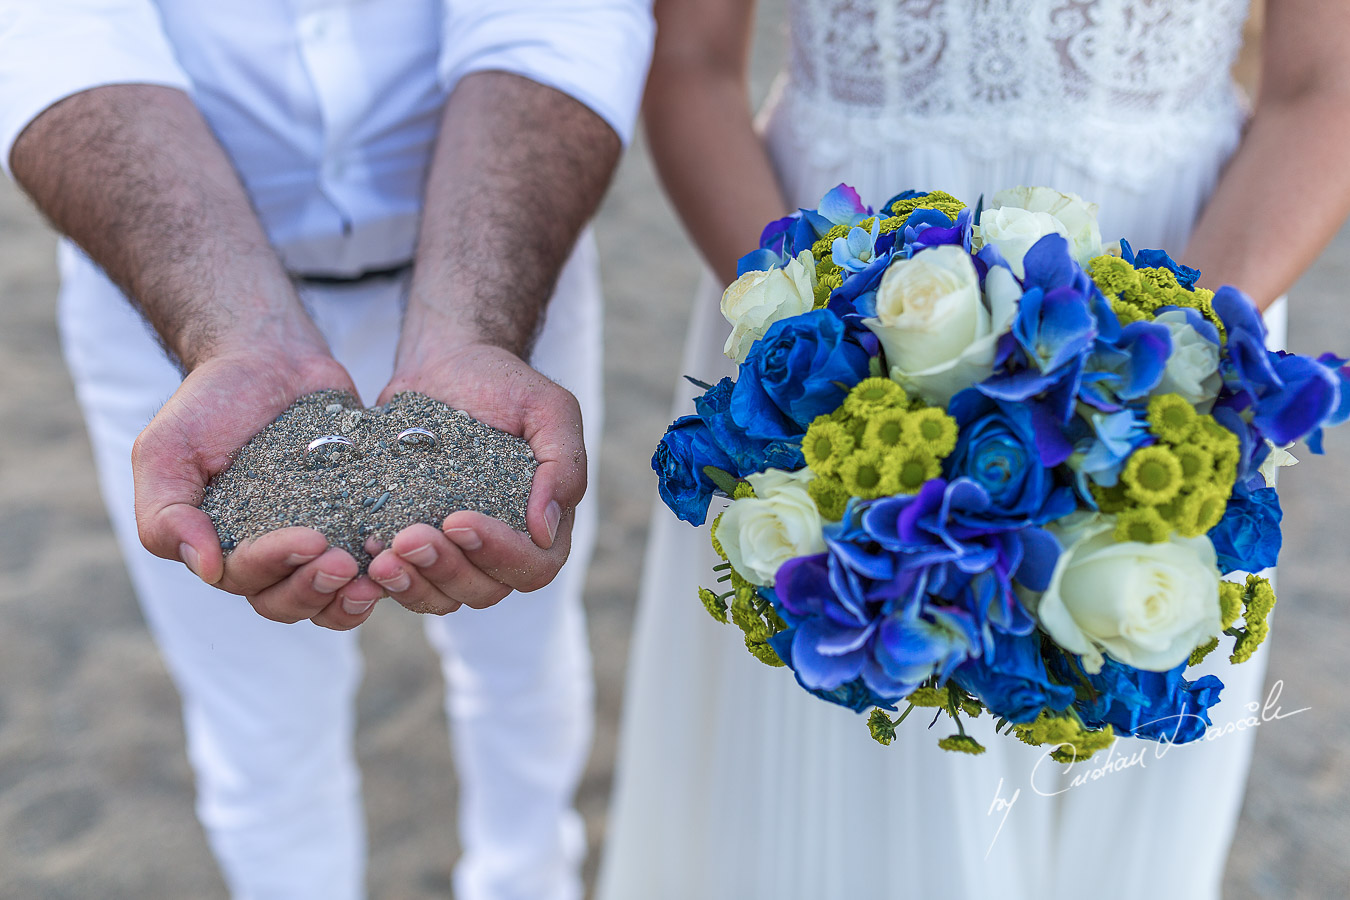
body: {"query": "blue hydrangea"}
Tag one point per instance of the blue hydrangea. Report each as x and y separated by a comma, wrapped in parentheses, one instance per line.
(1158, 259)
(909, 587)
(1290, 396)
(1054, 332)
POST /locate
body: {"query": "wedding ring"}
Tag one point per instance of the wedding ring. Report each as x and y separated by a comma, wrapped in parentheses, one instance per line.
(410, 436)
(325, 447)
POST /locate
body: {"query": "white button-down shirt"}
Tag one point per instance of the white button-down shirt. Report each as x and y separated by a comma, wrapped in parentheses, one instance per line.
(328, 108)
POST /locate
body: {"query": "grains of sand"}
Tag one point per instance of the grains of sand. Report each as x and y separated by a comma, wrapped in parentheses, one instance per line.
(377, 485)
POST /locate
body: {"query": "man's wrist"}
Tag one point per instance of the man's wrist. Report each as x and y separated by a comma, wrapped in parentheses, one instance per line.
(432, 334)
(251, 330)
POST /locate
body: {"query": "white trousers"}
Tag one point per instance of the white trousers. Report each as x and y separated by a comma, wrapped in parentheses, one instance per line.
(269, 708)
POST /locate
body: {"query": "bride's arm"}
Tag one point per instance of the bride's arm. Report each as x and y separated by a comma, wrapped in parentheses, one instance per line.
(1287, 189)
(700, 129)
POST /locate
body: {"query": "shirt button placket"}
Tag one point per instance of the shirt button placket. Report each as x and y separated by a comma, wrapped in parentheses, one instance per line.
(322, 46)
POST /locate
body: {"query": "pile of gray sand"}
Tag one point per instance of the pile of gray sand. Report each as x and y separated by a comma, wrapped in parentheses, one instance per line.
(378, 484)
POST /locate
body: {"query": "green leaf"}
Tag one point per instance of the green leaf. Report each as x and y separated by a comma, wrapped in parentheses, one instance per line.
(725, 481)
(702, 385)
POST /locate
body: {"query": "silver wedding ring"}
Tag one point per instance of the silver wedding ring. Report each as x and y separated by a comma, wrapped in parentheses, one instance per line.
(409, 437)
(328, 446)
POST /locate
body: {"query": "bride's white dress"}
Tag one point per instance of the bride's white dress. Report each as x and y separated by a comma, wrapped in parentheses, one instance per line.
(735, 783)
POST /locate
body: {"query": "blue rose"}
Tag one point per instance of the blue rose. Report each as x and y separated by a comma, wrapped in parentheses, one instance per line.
(1248, 539)
(1159, 706)
(747, 454)
(1012, 681)
(1011, 450)
(685, 449)
(802, 368)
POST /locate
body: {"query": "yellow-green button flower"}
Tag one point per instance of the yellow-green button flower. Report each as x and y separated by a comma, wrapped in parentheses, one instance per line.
(1152, 475)
(826, 445)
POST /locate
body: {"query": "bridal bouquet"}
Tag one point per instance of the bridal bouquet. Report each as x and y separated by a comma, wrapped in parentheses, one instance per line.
(977, 462)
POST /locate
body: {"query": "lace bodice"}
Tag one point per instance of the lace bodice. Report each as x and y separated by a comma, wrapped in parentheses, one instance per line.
(1072, 76)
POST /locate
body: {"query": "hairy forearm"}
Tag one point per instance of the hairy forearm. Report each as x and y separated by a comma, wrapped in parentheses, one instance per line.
(712, 163)
(517, 172)
(134, 176)
(1280, 200)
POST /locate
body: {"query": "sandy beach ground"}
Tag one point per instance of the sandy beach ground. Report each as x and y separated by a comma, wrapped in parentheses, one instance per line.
(95, 794)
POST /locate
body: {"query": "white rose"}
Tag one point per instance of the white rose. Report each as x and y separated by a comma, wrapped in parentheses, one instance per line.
(1003, 293)
(756, 300)
(1019, 217)
(938, 334)
(1015, 231)
(1148, 605)
(780, 522)
(1193, 368)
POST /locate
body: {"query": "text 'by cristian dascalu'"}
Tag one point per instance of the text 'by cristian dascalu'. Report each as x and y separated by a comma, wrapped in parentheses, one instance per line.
(1054, 779)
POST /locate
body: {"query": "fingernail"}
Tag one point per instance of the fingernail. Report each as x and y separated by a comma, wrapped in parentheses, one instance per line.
(552, 514)
(465, 538)
(400, 582)
(423, 556)
(356, 607)
(299, 559)
(188, 554)
(326, 583)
